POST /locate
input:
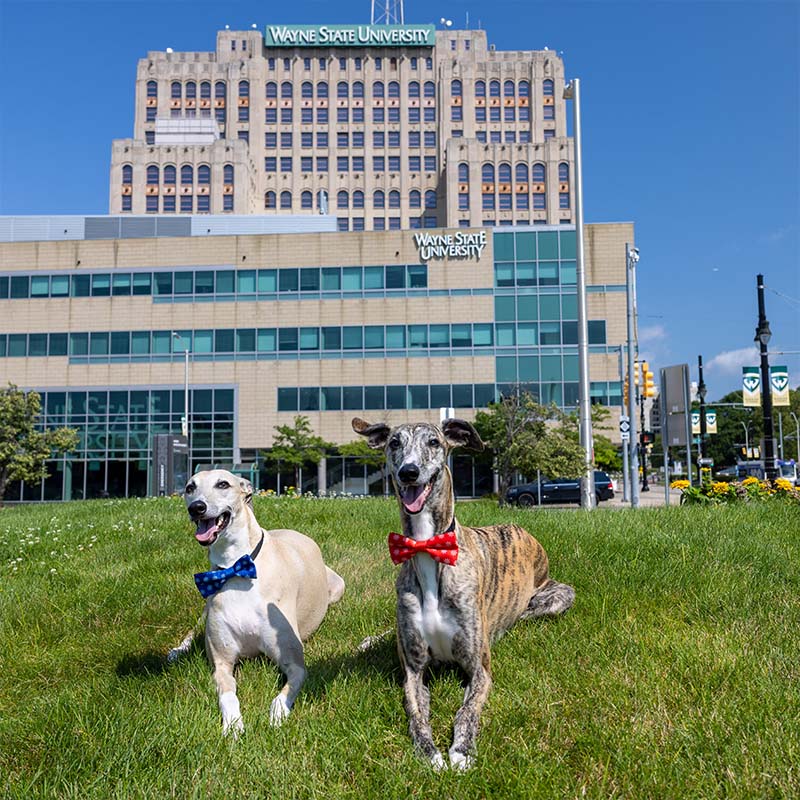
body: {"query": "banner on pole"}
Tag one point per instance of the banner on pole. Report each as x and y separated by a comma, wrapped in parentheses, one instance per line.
(711, 421)
(751, 386)
(695, 422)
(779, 382)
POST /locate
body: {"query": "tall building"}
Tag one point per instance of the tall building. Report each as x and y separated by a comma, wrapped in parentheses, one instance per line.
(386, 127)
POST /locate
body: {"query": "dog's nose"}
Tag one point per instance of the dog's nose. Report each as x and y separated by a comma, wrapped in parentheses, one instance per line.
(408, 473)
(197, 509)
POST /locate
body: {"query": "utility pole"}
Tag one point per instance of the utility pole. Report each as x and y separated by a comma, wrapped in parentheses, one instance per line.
(631, 257)
(763, 335)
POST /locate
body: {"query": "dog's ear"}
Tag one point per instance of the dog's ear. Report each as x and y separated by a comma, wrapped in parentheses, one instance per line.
(376, 434)
(247, 491)
(460, 433)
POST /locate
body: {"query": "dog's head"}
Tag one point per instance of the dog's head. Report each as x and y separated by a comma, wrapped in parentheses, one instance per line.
(213, 499)
(416, 454)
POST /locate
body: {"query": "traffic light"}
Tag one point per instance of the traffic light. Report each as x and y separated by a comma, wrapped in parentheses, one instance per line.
(625, 393)
(636, 373)
(648, 387)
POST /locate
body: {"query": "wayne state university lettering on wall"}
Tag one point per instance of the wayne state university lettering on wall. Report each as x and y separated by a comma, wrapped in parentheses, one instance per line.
(349, 35)
(450, 245)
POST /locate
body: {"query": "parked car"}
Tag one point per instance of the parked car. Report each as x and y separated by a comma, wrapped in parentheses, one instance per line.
(559, 490)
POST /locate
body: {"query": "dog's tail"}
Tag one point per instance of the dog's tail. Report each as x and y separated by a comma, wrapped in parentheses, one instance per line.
(551, 599)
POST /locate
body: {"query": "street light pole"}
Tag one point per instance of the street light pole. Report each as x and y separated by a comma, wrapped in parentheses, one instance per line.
(625, 474)
(746, 441)
(701, 393)
(763, 335)
(185, 420)
(573, 92)
(631, 257)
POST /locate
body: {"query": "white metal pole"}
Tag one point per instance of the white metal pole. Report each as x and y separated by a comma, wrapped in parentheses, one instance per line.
(631, 257)
(573, 92)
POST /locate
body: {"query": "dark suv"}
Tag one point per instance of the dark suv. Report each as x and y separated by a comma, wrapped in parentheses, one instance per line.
(559, 490)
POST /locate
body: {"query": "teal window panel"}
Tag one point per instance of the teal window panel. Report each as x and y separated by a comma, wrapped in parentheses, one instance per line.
(3, 287)
(550, 393)
(504, 309)
(504, 274)
(570, 365)
(121, 283)
(396, 397)
(58, 344)
(226, 281)
(503, 247)
(120, 343)
(527, 307)
(287, 399)
(142, 283)
(37, 344)
(162, 342)
(40, 285)
(287, 340)
(526, 273)
(484, 394)
(352, 337)
(482, 334)
(395, 337)
(183, 283)
(332, 338)
(571, 394)
(569, 273)
(417, 336)
(526, 246)
(224, 340)
(3, 345)
(59, 286)
(140, 342)
(438, 336)
(374, 397)
(551, 368)
(568, 243)
(374, 337)
(204, 282)
(268, 281)
(395, 276)
(418, 397)
(417, 276)
(569, 333)
(353, 398)
(245, 340)
(549, 333)
(373, 277)
(505, 334)
(79, 286)
(461, 335)
(308, 398)
(203, 341)
(181, 341)
(549, 307)
(288, 280)
(440, 396)
(162, 282)
(309, 338)
(528, 367)
(505, 368)
(20, 286)
(266, 340)
(597, 331)
(101, 285)
(548, 273)
(351, 279)
(246, 281)
(462, 395)
(547, 245)
(569, 306)
(309, 280)
(98, 344)
(331, 398)
(331, 279)
(202, 400)
(527, 334)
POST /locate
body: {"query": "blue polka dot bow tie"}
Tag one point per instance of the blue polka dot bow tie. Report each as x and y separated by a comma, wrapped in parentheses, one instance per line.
(211, 582)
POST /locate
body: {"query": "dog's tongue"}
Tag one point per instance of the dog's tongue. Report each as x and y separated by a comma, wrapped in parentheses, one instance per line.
(414, 497)
(206, 529)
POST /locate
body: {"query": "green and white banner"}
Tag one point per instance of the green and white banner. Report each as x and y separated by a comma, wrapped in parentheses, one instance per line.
(779, 382)
(751, 386)
(711, 421)
(695, 422)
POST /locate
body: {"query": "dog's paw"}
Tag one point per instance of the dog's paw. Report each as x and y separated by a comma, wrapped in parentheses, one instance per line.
(460, 762)
(438, 763)
(370, 641)
(278, 711)
(233, 728)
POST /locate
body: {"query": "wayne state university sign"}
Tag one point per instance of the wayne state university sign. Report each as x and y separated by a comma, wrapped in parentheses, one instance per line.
(450, 245)
(349, 35)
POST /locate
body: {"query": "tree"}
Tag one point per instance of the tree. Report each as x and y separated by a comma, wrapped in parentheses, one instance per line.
(297, 445)
(366, 456)
(24, 449)
(526, 436)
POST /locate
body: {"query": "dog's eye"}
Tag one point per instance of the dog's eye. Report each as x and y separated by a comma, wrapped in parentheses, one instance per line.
(222, 485)
(394, 444)
(434, 443)
(190, 488)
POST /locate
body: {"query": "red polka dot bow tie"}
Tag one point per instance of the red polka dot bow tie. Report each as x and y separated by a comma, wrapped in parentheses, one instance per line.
(443, 547)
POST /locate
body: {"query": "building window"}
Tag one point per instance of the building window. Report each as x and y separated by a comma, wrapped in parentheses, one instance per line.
(342, 89)
(286, 90)
(322, 116)
(413, 114)
(428, 63)
(394, 199)
(270, 164)
(322, 139)
(287, 64)
(378, 139)
(481, 136)
(463, 201)
(413, 63)
(429, 114)
(204, 175)
(271, 90)
(219, 90)
(176, 90)
(509, 114)
(151, 204)
(286, 200)
(414, 163)
(430, 163)
(480, 113)
(563, 200)
(306, 200)
(227, 174)
(342, 224)
(286, 164)
(306, 116)
(413, 89)
(547, 88)
(430, 199)
(244, 114)
(322, 89)
(563, 172)
(394, 138)
(286, 116)
(414, 199)
(342, 114)
(378, 64)
(358, 163)
(456, 114)
(149, 137)
(377, 89)
(394, 163)
(378, 199)
(322, 163)
(487, 201)
(539, 201)
(480, 89)
(307, 88)
(270, 116)
(430, 89)
(358, 88)
(378, 115)
(521, 173)
(453, 44)
(342, 63)
(430, 138)
(524, 114)
(342, 200)
(244, 89)
(522, 201)
(549, 112)
(549, 134)
(269, 200)
(187, 175)
(378, 164)
(286, 140)
(342, 164)
(463, 172)
(186, 203)
(322, 64)
(306, 164)
(413, 139)
(378, 224)
(358, 199)
(494, 114)
(203, 204)
(168, 206)
(152, 175)
(538, 173)
(170, 174)
(455, 88)
(271, 64)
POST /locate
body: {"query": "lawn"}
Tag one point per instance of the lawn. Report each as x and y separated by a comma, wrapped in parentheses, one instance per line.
(675, 675)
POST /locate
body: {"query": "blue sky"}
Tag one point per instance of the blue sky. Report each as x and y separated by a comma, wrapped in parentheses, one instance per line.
(690, 130)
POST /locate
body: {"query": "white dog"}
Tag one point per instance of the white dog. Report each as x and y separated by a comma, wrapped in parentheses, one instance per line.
(267, 591)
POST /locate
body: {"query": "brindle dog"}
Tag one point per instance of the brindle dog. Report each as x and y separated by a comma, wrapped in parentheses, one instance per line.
(452, 612)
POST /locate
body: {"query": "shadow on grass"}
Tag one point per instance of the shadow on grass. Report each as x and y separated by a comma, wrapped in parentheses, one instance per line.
(150, 664)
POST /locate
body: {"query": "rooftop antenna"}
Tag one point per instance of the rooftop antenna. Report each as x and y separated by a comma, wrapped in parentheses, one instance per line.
(387, 12)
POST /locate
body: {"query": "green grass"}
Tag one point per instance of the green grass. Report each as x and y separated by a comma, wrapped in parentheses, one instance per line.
(676, 674)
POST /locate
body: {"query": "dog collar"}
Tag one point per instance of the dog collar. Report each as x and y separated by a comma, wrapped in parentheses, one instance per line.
(442, 548)
(209, 583)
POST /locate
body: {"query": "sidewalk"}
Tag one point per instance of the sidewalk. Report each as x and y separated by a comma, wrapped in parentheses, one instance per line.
(652, 499)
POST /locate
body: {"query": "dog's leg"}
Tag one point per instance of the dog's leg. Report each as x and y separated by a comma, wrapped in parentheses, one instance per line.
(465, 730)
(186, 644)
(552, 599)
(228, 701)
(288, 655)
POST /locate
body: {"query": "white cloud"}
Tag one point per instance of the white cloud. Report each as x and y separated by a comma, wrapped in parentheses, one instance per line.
(730, 362)
(652, 333)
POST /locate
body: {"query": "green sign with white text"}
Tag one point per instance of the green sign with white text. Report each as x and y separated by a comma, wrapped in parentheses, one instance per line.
(350, 35)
